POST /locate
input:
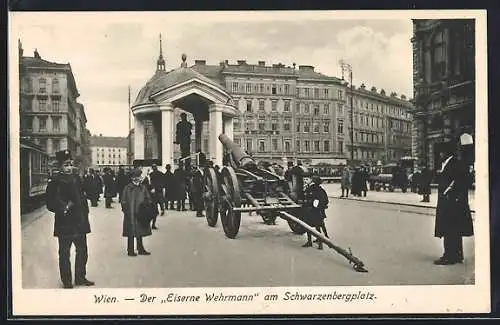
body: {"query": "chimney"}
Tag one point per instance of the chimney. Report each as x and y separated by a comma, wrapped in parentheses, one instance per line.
(403, 97)
(382, 92)
(262, 63)
(241, 62)
(362, 86)
(374, 89)
(200, 62)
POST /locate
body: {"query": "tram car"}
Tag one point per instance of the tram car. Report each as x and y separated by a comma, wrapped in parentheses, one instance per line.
(34, 175)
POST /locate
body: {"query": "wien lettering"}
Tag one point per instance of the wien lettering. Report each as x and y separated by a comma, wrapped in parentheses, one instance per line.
(228, 298)
(346, 297)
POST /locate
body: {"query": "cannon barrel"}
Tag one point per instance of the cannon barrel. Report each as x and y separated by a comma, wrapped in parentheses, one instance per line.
(240, 157)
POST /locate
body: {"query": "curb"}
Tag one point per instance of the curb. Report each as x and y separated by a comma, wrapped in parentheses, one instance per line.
(388, 202)
(37, 214)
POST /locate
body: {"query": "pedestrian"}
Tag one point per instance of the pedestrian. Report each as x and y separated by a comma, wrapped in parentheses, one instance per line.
(453, 215)
(197, 188)
(416, 180)
(180, 177)
(109, 188)
(169, 184)
(316, 204)
(121, 182)
(425, 180)
(364, 180)
(157, 179)
(138, 211)
(297, 189)
(91, 184)
(356, 182)
(66, 199)
(345, 181)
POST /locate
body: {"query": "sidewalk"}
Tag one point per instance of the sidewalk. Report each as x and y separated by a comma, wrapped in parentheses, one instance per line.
(396, 197)
(30, 217)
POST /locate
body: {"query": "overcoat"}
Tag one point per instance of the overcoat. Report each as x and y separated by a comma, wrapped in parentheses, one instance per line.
(63, 191)
(121, 181)
(135, 223)
(197, 188)
(180, 181)
(91, 186)
(168, 181)
(425, 180)
(314, 215)
(453, 215)
(109, 186)
(346, 178)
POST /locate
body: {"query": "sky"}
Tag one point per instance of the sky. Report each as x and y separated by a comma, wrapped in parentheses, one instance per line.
(108, 51)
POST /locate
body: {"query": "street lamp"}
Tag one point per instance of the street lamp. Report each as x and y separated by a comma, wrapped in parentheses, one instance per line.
(348, 68)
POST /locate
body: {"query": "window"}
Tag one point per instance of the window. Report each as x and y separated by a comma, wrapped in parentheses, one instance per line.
(55, 105)
(340, 110)
(287, 89)
(248, 88)
(235, 87)
(28, 123)
(297, 146)
(56, 123)
(316, 109)
(275, 144)
(316, 93)
(316, 145)
(261, 105)
(56, 145)
(249, 105)
(307, 146)
(280, 89)
(307, 127)
(340, 145)
(273, 90)
(55, 85)
(274, 105)
(237, 124)
(326, 146)
(256, 88)
(326, 109)
(42, 85)
(362, 137)
(306, 109)
(262, 146)
(287, 146)
(371, 119)
(42, 105)
(287, 106)
(297, 127)
(274, 125)
(340, 127)
(249, 144)
(28, 85)
(315, 127)
(261, 88)
(326, 126)
(42, 120)
(262, 124)
(297, 108)
(339, 94)
(439, 56)
(325, 92)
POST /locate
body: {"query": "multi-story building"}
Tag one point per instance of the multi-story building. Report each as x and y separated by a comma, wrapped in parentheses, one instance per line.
(382, 126)
(444, 85)
(109, 151)
(49, 113)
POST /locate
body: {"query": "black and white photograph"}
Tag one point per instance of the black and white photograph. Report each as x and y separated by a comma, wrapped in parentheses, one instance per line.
(253, 162)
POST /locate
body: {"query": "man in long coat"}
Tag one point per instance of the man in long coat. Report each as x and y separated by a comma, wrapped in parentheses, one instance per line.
(183, 135)
(180, 179)
(157, 184)
(136, 205)
(109, 188)
(121, 181)
(424, 186)
(169, 184)
(316, 204)
(345, 181)
(91, 184)
(453, 215)
(66, 198)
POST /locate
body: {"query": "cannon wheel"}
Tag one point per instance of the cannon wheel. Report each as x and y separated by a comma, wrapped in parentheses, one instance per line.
(295, 227)
(230, 198)
(211, 196)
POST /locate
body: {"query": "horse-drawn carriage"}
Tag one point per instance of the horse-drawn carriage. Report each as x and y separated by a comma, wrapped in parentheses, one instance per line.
(242, 186)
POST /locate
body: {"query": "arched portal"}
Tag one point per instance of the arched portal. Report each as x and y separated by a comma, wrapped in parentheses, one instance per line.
(192, 92)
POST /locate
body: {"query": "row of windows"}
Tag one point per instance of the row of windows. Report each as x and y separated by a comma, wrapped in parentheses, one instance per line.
(380, 108)
(42, 85)
(109, 150)
(111, 162)
(27, 123)
(300, 146)
(304, 108)
(259, 88)
(43, 105)
(275, 126)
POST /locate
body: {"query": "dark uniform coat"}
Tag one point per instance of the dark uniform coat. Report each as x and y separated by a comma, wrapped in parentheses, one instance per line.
(66, 191)
(135, 204)
(109, 186)
(91, 184)
(180, 184)
(121, 181)
(425, 180)
(197, 188)
(314, 215)
(453, 215)
(168, 182)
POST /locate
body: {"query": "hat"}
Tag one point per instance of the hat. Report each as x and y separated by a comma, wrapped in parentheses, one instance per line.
(136, 173)
(63, 155)
(316, 180)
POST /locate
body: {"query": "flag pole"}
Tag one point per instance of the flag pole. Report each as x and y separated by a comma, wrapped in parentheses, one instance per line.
(129, 130)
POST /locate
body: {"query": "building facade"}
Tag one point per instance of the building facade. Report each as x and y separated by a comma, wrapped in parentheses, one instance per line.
(444, 85)
(109, 151)
(50, 115)
(382, 126)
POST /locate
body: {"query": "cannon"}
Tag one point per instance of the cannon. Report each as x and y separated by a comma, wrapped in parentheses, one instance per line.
(242, 186)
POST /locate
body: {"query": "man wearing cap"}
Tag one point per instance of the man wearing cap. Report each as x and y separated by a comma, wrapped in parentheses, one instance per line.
(317, 203)
(183, 135)
(453, 215)
(66, 198)
(169, 184)
(157, 183)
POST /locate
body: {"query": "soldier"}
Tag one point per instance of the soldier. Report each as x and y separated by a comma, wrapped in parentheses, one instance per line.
(316, 204)
(169, 184)
(183, 135)
(91, 184)
(66, 198)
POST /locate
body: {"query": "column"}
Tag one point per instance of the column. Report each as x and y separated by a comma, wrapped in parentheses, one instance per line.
(138, 138)
(155, 138)
(167, 135)
(228, 126)
(215, 126)
(198, 132)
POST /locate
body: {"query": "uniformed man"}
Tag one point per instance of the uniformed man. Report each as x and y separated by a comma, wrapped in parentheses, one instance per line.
(66, 198)
(91, 184)
(183, 135)
(316, 204)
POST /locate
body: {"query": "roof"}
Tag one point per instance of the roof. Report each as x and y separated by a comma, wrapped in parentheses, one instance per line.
(162, 80)
(116, 142)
